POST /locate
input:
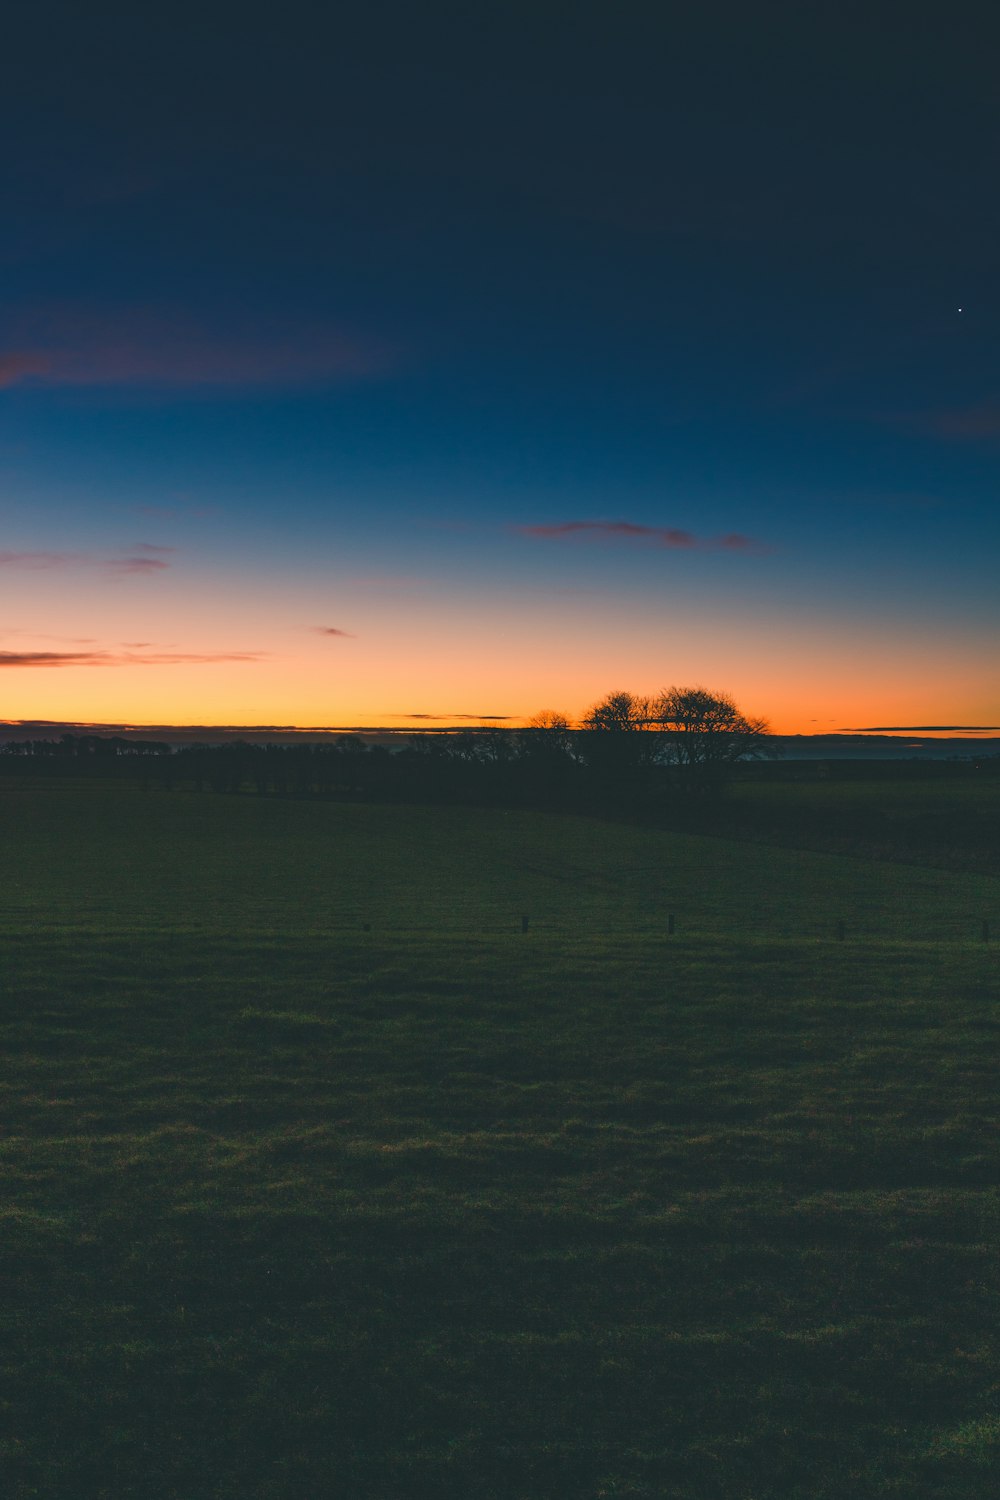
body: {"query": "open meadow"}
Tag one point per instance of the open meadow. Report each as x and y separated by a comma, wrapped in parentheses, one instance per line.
(321, 1177)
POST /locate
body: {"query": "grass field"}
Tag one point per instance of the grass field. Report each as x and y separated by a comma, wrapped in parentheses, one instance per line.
(948, 822)
(440, 1208)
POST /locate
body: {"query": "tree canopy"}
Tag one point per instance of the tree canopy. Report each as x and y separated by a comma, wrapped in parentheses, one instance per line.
(707, 730)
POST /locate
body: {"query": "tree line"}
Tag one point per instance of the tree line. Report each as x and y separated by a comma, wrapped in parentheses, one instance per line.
(627, 753)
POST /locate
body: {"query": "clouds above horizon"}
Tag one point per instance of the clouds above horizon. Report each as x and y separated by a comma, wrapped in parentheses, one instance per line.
(152, 347)
(328, 630)
(472, 718)
(124, 658)
(924, 729)
(136, 564)
(144, 558)
(15, 367)
(38, 561)
(668, 537)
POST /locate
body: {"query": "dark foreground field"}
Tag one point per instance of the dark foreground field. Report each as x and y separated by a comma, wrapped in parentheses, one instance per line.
(440, 1208)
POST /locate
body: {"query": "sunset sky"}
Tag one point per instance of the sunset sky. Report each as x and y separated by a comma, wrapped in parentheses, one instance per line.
(419, 363)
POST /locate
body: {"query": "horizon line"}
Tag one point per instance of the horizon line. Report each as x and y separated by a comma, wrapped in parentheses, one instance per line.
(466, 722)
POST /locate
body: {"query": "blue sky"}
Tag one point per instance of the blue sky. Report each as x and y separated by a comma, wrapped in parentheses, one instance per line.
(435, 314)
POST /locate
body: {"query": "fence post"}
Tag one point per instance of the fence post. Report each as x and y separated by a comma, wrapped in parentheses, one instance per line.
(670, 925)
(986, 931)
(840, 932)
(524, 922)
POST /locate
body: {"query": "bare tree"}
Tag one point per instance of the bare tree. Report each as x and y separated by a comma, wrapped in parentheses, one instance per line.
(618, 713)
(621, 735)
(548, 734)
(707, 731)
(549, 718)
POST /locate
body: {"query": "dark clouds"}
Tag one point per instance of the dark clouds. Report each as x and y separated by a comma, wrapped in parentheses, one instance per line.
(123, 658)
(924, 729)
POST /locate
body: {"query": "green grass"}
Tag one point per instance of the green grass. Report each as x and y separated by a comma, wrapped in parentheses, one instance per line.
(294, 1209)
(944, 822)
(105, 858)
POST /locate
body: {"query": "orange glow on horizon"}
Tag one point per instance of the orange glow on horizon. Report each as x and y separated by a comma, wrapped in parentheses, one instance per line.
(237, 652)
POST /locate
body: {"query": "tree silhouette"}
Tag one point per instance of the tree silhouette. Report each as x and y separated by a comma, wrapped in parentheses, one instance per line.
(547, 770)
(706, 731)
(548, 735)
(618, 713)
(620, 742)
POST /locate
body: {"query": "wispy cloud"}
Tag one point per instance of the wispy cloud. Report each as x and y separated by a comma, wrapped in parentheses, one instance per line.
(40, 560)
(670, 537)
(184, 658)
(145, 557)
(38, 635)
(15, 366)
(736, 541)
(663, 536)
(346, 635)
(979, 421)
(153, 347)
(54, 658)
(924, 729)
(123, 658)
(450, 718)
(120, 565)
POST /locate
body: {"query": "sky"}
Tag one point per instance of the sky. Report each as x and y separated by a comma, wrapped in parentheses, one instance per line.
(397, 364)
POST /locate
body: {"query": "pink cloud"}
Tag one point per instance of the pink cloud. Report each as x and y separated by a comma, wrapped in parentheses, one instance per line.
(332, 630)
(148, 347)
(671, 537)
(15, 367)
